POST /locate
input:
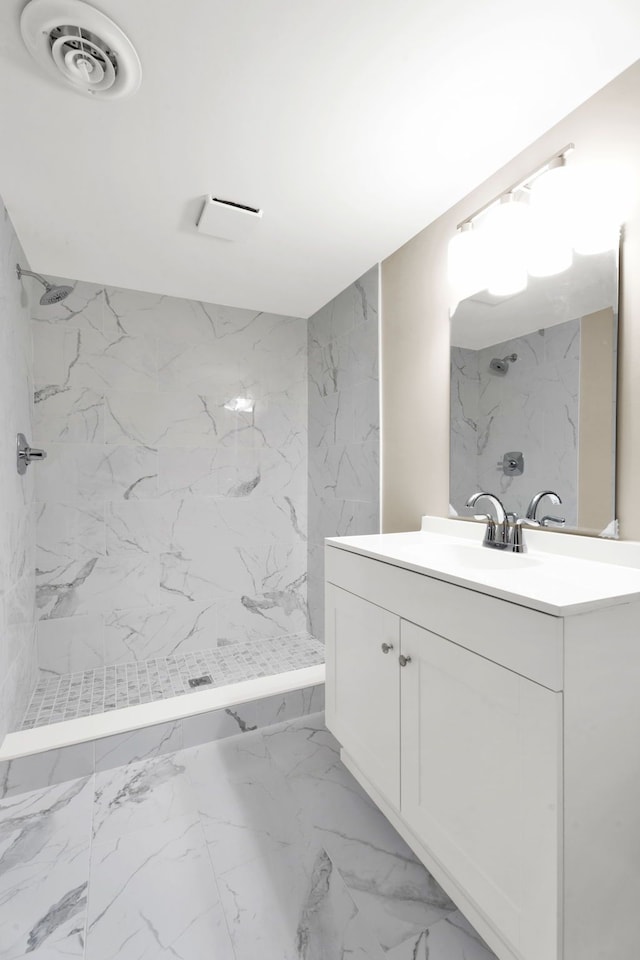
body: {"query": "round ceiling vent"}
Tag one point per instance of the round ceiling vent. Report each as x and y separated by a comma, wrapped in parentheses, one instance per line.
(81, 46)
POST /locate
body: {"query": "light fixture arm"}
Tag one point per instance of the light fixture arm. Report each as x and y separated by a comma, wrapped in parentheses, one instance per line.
(523, 184)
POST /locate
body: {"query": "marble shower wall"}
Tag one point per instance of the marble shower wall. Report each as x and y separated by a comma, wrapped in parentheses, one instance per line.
(344, 421)
(165, 522)
(533, 408)
(465, 414)
(18, 668)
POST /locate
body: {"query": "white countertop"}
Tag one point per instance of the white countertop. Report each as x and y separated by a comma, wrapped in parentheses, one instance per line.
(559, 574)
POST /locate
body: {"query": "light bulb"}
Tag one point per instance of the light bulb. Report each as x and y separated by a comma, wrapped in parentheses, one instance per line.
(553, 192)
(506, 232)
(509, 277)
(466, 266)
(549, 247)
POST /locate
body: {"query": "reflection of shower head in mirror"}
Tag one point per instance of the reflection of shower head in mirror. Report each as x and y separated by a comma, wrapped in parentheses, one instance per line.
(501, 366)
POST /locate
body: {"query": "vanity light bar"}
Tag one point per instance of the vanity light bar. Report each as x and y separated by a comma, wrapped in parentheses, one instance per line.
(519, 185)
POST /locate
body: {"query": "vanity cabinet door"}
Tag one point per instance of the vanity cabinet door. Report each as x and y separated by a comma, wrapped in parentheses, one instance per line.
(363, 686)
(481, 784)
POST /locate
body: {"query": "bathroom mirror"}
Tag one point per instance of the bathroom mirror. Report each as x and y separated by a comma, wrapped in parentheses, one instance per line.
(533, 395)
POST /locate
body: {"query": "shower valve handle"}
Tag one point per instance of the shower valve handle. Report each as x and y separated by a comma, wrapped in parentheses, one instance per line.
(34, 453)
(26, 454)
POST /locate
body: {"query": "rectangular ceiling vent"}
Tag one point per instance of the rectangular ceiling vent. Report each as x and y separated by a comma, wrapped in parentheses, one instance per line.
(226, 219)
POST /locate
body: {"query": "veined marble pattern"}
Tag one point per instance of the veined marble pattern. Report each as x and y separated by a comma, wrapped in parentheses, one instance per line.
(103, 689)
(44, 863)
(160, 510)
(534, 408)
(465, 416)
(343, 427)
(221, 851)
(18, 668)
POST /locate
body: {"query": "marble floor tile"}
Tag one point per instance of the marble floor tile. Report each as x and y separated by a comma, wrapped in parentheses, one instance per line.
(281, 894)
(247, 810)
(391, 888)
(260, 845)
(331, 925)
(140, 795)
(263, 902)
(452, 938)
(44, 870)
(293, 905)
(47, 953)
(154, 896)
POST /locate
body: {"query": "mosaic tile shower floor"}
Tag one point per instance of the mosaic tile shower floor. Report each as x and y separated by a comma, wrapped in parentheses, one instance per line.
(75, 695)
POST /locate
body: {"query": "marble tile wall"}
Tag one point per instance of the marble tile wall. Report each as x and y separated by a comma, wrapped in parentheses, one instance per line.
(344, 455)
(533, 408)
(465, 398)
(166, 523)
(17, 538)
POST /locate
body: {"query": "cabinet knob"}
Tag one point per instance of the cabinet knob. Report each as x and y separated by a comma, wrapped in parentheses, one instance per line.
(404, 660)
(386, 647)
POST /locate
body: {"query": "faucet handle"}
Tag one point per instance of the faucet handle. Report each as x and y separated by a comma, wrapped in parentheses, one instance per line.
(490, 532)
(517, 541)
(553, 522)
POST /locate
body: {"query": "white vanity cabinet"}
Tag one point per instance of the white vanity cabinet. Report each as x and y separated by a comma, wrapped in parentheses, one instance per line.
(480, 758)
(366, 713)
(454, 711)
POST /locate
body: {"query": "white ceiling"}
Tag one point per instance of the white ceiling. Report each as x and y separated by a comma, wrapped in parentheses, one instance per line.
(352, 124)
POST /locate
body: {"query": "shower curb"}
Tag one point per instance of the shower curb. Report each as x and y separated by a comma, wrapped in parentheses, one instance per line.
(31, 769)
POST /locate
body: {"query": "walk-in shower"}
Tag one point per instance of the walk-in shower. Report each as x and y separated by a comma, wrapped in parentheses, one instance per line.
(170, 551)
(176, 517)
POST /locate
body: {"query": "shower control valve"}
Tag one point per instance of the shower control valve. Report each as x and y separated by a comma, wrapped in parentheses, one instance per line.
(512, 464)
(26, 454)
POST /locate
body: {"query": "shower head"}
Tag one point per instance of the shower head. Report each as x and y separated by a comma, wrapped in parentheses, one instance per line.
(501, 366)
(52, 293)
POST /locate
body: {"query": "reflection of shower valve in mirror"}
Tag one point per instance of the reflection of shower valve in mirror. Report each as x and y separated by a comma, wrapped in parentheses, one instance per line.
(512, 464)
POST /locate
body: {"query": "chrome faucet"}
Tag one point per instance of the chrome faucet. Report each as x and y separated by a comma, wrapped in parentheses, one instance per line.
(497, 532)
(532, 510)
(531, 520)
(517, 541)
(534, 503)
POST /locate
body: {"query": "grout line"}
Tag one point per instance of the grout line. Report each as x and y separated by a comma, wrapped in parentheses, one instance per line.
(91, 820)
